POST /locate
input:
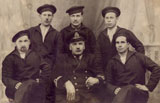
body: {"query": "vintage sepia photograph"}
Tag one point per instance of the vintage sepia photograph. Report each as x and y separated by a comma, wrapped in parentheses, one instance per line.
(79, 51)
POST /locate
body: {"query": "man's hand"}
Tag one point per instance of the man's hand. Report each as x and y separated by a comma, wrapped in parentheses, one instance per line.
(37, 80)
(91, 81)
(70, 91)
(117, 90)
(142, 87)
(18, 85)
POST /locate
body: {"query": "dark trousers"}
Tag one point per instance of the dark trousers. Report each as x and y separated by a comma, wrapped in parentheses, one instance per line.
(30, 92)
(131, 94)
(80, 98)
(50, 91)
(101, 93)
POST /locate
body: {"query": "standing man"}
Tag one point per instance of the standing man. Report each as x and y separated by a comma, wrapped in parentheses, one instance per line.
(107, 36)
(125, 74)
(23, 71)
(44, 41)
(76, 19)
(44, 36)
(79, 75)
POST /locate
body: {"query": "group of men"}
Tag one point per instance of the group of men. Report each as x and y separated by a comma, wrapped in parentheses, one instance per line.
(71, 66)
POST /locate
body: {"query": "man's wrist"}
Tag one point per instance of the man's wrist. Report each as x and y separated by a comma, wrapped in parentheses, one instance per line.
(67, 83)
(97, 80)
(18, 85)
(117, 90)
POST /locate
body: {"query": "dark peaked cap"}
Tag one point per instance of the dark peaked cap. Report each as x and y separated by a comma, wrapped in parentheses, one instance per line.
(46, 7)
(19, 34)
(75, 9)
(76, 36)
(111, 9)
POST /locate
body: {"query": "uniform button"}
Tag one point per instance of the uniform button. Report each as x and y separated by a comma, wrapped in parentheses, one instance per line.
(85, 71)
(74, 77)
(75, 83)
(86, 77)
(74, 71)
(77, 89)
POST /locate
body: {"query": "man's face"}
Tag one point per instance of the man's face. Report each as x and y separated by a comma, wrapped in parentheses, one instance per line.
(23, 43)
(76, 19)
(122, 45)
(110, 19)
(46, 18)
(77, 48)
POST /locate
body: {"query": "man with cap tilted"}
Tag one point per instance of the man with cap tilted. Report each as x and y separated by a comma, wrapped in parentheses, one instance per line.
(76, 19)
(107, 36)
(125, 74)
(22, 72)
(79, 75)
(44, 41)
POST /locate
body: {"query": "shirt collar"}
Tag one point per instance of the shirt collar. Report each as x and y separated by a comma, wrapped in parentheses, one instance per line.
(39, 29)
(129, 54)
(15, 52)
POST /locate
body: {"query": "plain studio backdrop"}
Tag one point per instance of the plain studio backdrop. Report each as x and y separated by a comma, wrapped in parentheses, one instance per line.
(140, 16)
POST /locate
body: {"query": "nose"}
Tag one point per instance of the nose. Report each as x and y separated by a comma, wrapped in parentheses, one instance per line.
(77, 48)
(75, 18)
(109, 20)
(119, 45)
(23, 43)
(47, 17)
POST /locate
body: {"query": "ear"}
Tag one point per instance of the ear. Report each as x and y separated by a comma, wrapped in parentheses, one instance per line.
(29, 42)
(14, 44)
(82, 17)
(128, 44)
(84, 46)
(70, 47)
(117, 18)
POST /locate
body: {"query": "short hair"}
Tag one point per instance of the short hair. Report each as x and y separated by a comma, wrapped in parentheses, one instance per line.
(124, 34)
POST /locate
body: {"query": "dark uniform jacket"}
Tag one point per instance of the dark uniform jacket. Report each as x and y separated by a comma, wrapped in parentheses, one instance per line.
(48, 48)
(15, 69)
(132, 72)
(66, 33)
(106, 48)
(77, 71)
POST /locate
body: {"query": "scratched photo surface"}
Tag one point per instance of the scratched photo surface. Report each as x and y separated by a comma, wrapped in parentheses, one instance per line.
(142, 17)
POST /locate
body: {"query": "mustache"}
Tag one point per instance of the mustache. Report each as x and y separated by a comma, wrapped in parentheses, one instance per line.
(78, 50)
(47, 20)
(75, 21)
(23, 49)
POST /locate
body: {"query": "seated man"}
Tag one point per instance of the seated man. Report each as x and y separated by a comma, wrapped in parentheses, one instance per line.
(125, 74)
(76, 74)
(21, 72)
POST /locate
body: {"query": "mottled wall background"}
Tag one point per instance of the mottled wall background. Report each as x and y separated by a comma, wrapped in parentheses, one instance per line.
(140, 16)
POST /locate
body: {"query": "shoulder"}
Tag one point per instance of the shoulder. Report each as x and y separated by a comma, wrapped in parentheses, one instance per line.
(33, 27)
(89, 56)
(101, 33)
(9, 57)
(86, 29)
(140, 56)
(65, 28)
(120, 29)
(54, 30)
